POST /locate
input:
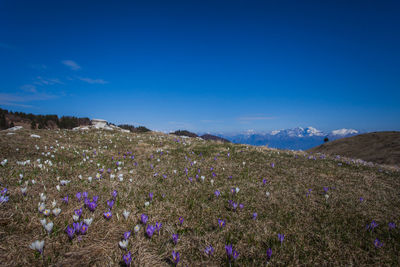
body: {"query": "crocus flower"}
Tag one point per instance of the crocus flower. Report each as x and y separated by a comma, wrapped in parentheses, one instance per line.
(77, 226)
(221, 223)
(175, 238)
(217, 193)
(181, 220)
(56, 211)
(65, 199)
(70, 232)
(49, 227)
(123, 243)
(264, 181)
(107, 215)
(231, 253)
(84, 229)
(255, 215)
(150, 230)
(127, 258)
(126, 214)
(392, 225)
(88, 222)
(281, 237)
(85, 195)
(269, 254)
(372, 225)
(175, 257)
(95, 198)
(378, 243)
(37, 245)
(78, 196)
(78, 212)
(114, 194)
(110, 203)
(46, 212)
(158, 226)
(241, 206)
(209, 250)
(127, 235)
(151, 196)
(136, 228)
(24, 190)
(92, 206)
(144, 218)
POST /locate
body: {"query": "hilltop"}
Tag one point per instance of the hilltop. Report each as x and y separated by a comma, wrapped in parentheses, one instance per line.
(378, 147)
(84, 192)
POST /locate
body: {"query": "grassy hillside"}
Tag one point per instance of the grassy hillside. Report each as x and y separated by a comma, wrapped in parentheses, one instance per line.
(322, 206)
(378, 147)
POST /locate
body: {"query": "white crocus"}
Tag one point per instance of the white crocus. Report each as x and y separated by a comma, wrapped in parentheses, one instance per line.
(42, 197)
(326, 197)
(202, 177)
(267, 194)
(56, 211)
(37, 245)
(90, 179)
(33, 181)
(212, 182)
(23, 190)
(41, 207)
(124, 243)
(49, 227)
(43, 222)
(126, 214)
(136, 228)
(75, 218)
(54, 203)
(88, 222)
(146, 204)
(237, 189)
(46, 212)
(58, 188)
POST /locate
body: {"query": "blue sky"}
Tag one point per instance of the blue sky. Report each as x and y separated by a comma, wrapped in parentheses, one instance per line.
(205, 66)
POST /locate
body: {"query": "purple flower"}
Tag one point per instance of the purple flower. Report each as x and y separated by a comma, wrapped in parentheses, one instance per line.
(109, 170)
(151, 196)
(158, 226)
(86, 201)
(273, 165)
(114, 194)
(92, 206)
(326, 189)
(175, 238)
(269, 254)
(127, 258)
(378, 243)
(213, 174)
(235, 254)
(233, 190)
(392, 225)
(107, 215)
(150, 230)
(4, 191)
(78, 196)
(144, 218)
(70, 232)
(175, 257)
(361, 199)
(110, 203)
(264, 181)
(209, 250)
(281, 237)
(84, 229)
(78, 212)
(231, 253)
(95, 198)
(85, 195)
(65, 199)
(127, 235)
(241, 206)
(181, 220)
(255, 215)
(221, 223)
(77, 227)
(217, 193)
(234, 205)
(372, 225)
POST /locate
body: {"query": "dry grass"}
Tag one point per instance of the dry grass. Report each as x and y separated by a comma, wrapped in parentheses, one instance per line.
(317, 231)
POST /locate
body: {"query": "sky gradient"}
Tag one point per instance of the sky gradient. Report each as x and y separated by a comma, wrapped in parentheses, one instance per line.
(205, 66)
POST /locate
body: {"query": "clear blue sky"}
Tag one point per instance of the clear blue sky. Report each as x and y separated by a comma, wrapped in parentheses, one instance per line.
(217, 66)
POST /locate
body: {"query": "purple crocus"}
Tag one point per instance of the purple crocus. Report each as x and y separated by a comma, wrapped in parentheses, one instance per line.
(127, 235)
(151, 196)
(372, 225)
(175, 257)
(217, 193)
(92, 206)
(127, 259)
(114, 194)
(326, 189)
(241, 206)
(77, 227)
(70, 232)
(378, 243)
(84, 229)
(95, 198)
(269, 254)
(273, 165)
(392, 225)
(78, 196)
(110, 203)
(209, 250)
(175, 238)
(281, 237)
(107, 215)
(221, 223)
(78, 212)
(264, 181)
(65, 199)
(85, 195)
(158, 227)
(144, 218)
(181, 220)
(150, 230)
(255, 215)
(231, 253)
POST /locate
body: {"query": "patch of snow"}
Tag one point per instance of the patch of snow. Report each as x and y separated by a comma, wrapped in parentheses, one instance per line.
(35, 136)
(344, 132)
(15, 128)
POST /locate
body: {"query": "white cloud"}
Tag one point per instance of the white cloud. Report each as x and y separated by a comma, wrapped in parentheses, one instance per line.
(72, 64)
(28, 88)
(44, 81)
(93, 81)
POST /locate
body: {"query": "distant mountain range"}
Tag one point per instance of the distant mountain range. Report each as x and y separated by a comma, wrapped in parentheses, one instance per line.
(295, 139)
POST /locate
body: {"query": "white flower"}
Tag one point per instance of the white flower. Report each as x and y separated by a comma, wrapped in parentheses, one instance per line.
(174, 171)
(267, 194)
(54, 203)
(49, 227)
(244, 163)
(136, 228)
(42, 197)
(126, 214)
(146, 204)
(46, 212)
(212, 182)
(80, 176)
(33, 181)
(56, 211)
(64, 182)
(237, 189)
(124, 243)
(326, 196)
(4, 162)
(202, 177)
(41, 207)
(75, 217)
(90, 179)
(112, 176)
(23, 190)
(37, 245)
(43, 222)
(58, 187)
(131, 180)
(98, 175)
(88, 222)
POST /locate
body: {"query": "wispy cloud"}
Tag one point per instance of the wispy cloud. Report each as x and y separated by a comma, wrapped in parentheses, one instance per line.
(255, 118)
(93, 81)
(28, 88)
(72, 64)
(20, 99)
(46, 81)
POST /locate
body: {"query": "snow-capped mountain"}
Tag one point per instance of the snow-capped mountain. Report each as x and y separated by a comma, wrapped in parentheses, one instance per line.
(298, 138)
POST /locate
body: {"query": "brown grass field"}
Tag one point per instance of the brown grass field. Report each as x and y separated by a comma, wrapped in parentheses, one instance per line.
(318, 230)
